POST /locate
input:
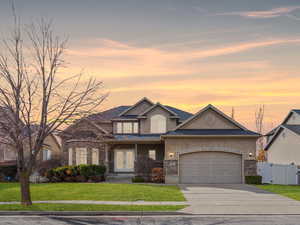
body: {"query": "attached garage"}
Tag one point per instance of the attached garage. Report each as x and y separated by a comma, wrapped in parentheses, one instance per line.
(210, 168)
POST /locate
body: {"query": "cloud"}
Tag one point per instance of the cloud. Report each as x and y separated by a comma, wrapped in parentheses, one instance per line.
(117, 59)
(275, 12)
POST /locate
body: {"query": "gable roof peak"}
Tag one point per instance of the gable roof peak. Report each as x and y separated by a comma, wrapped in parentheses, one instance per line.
(160, 105)
(144, 99)
(215, 109)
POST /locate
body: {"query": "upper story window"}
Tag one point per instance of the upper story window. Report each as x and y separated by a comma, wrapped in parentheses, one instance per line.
(158, 124)
(127, 127)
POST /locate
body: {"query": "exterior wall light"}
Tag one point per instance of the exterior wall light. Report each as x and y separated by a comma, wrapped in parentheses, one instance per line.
(171, 155)
(250, 154)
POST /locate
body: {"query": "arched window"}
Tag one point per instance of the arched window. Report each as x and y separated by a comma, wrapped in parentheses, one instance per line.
(158, 124)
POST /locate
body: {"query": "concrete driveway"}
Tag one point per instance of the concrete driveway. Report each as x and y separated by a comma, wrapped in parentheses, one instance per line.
(236, 199)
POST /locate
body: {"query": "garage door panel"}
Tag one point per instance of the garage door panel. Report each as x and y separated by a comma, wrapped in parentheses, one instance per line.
(210, 167)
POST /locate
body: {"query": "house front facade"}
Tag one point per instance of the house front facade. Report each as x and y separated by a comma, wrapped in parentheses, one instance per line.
(208, 147)
(283, 146)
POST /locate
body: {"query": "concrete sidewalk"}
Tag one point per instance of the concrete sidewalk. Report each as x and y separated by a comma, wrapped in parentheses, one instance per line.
(236, 199)
(102, 202)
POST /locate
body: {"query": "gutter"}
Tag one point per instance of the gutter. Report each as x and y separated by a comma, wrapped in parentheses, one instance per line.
(209, 136)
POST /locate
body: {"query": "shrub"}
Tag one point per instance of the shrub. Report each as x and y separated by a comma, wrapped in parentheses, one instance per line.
(143, 167)
(158, 175)
(253, 179)
(44, 166)
(80, 173)
(8, 173)
(138, 179)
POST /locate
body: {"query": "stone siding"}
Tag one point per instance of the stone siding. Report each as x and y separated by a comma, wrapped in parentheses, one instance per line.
(250, 167)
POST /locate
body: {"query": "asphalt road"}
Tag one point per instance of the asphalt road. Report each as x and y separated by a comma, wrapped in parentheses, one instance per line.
(157, 220)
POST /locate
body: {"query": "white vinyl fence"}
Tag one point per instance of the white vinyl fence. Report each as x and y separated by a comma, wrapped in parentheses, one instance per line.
(278, 174)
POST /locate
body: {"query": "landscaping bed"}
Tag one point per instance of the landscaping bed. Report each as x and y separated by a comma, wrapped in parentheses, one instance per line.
(291, 191)
(93, 191)
(86, 207)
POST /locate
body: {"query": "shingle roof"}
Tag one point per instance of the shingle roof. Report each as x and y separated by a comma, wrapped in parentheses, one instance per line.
(114, 114)
(294, 128)
(273, 131)
(296, 111)
(211, 132)
(108, 114)
(182, 114)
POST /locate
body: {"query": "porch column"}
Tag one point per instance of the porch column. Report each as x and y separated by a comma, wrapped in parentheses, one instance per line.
(106, 161)
(135, 151)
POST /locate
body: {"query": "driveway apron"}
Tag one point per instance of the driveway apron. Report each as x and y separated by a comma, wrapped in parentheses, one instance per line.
(236, 199)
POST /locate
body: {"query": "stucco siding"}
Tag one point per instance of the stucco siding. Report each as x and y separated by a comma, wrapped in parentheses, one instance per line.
(285, 149)
(209, 120)
(242, 146)
(146, 123)
(51, 144)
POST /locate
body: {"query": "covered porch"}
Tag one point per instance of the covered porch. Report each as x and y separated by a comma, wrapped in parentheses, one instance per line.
(124, 156)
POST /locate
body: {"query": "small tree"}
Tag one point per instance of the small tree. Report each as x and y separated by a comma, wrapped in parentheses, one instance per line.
(259, 123)
(34, 92)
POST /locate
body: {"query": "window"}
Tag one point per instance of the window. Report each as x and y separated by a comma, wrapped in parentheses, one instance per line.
(158, 124)
(81, 156)
(70, 156)
(9, 155)
(46, 154)
(95, 156)
(119, 128)
(127, 127)
(135, 127)
(152, 154)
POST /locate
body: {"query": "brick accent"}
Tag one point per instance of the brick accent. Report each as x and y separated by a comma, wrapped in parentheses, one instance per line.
(250, 167)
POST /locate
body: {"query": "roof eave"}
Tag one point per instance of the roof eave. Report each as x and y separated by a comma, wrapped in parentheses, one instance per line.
(209, 136)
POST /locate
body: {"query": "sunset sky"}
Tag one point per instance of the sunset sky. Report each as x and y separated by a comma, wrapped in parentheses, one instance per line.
(233, 53)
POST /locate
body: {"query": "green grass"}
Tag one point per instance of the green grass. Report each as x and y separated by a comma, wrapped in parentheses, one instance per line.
(290, 191)
(85, 207)
(93, 191)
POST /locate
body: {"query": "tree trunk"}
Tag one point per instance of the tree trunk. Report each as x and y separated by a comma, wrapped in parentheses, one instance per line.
(25, 189)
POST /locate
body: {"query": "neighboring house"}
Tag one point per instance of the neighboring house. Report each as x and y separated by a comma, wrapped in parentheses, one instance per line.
(51, 150)
(283, 146)
(208, 147)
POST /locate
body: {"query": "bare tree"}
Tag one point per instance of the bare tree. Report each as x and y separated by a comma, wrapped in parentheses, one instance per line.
(35, 97)
(259, 123)
(232, 112)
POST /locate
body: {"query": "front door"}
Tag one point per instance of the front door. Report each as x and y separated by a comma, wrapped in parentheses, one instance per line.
(124, 160)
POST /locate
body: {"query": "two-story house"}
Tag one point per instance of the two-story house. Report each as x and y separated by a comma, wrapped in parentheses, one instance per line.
(283, 146)
(208, 147)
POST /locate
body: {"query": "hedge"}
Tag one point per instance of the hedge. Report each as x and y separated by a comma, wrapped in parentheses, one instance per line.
(253, 179)
(79, 173)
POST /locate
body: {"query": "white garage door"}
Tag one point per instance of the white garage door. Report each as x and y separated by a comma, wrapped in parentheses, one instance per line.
(210, 168)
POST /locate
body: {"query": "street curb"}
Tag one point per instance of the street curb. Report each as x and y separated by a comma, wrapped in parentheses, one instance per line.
(88, 213)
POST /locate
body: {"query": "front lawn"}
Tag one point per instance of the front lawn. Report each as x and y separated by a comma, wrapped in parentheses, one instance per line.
(93, 191)
(290, 191)
(85, 207)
